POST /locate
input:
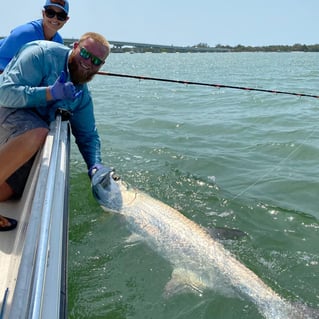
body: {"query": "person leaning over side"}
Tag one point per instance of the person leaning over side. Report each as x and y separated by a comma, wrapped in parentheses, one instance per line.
(43, 77)
(54, 16)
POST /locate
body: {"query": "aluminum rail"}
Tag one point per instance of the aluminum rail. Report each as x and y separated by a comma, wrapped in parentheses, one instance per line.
(40, 291)
(42, 253)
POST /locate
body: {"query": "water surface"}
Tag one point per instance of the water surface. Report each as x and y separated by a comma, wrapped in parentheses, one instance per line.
(222, 157)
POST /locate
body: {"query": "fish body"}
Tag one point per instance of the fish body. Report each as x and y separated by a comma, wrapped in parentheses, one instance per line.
(199, 261)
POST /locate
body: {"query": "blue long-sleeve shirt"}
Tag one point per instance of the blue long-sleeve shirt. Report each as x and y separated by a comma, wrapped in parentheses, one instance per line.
(24, 82)
(19, 36)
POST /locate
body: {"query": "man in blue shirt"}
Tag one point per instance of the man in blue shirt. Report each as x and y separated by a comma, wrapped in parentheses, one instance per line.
(54, 17)
(41, 78)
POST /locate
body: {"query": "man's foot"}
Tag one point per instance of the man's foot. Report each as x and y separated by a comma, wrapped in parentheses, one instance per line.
(7, 223)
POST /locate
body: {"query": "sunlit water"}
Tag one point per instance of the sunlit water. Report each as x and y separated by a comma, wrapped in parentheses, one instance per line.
(222, 157)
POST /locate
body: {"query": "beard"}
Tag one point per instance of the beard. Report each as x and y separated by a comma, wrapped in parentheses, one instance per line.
(78, 74)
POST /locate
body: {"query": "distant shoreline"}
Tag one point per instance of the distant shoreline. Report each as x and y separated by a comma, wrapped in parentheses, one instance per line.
(135, 47)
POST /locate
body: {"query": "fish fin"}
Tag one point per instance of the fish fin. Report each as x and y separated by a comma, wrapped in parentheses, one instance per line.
(133, 239)
(223, 233)
(182, 281)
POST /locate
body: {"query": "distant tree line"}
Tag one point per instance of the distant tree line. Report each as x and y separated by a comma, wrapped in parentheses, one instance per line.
(270, 48)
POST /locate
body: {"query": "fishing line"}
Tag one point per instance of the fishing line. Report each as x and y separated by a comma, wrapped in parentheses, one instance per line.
(139, 77)
(276, 166)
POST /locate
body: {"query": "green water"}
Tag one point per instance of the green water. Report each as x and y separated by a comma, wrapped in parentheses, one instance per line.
(222, 157)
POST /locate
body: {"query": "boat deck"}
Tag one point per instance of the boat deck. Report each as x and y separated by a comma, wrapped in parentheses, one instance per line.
(12, 242)
(33, 256)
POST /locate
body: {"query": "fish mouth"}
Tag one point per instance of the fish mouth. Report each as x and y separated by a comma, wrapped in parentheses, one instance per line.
(106, 191)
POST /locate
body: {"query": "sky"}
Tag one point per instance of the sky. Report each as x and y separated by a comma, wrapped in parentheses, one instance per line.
(180, 22)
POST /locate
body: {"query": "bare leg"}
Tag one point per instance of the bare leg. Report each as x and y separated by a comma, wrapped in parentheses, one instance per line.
(17, 152)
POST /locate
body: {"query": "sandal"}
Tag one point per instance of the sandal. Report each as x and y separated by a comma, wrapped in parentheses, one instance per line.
(7, 223)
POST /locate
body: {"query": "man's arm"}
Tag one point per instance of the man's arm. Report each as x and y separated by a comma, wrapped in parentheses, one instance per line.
(85, 131)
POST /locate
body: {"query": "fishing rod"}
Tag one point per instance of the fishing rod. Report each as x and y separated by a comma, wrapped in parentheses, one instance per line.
(140, 77)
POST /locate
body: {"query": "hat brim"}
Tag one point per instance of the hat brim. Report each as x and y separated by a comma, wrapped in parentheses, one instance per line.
(56, 5)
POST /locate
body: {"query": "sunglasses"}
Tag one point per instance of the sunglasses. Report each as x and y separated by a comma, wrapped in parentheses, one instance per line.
(50, 13)
(85, 54)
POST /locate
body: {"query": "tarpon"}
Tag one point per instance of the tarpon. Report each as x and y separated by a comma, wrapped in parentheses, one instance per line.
(199, 261)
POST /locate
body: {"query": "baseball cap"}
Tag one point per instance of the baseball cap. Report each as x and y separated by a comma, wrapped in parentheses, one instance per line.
(62, 4)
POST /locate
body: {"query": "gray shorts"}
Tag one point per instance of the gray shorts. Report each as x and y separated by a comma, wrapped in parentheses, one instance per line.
(14, 122)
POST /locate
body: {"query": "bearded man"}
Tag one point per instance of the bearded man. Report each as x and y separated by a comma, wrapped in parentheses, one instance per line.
(43, 77)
